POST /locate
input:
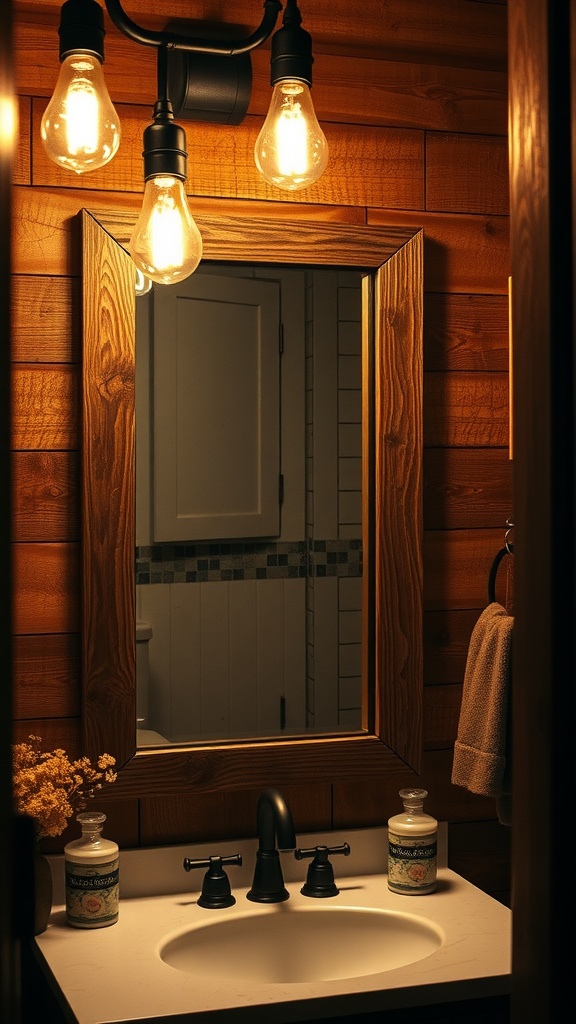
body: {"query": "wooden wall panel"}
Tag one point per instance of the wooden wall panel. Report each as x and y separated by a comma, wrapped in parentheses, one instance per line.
(466, 173)
(47, 676)
(456, 567)
(46, 583)
(470, 34)
(448, 401)
(45, 406)
(446, 637)
(46, 233)
(46, 496)
(46, 313)
(413, 98)
(21, 170)
(465, 488)
(465, 332)
(355, 90)
(461, 253)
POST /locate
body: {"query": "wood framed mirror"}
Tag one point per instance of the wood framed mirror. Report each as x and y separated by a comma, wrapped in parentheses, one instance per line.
(390, 739)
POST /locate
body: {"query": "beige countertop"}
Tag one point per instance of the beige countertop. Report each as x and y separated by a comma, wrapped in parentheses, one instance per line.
(116, 974)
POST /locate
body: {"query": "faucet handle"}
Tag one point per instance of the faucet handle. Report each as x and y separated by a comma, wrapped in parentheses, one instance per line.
(216, 892)
(320, 877)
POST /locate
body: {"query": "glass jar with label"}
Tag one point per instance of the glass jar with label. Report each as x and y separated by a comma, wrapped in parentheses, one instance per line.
(92, 875)
(412, 847)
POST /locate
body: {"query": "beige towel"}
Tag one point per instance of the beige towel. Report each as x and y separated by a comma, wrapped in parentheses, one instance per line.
(482, 752)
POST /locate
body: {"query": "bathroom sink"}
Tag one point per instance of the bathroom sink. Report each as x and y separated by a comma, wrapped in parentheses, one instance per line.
(169, 959)
(283, 944)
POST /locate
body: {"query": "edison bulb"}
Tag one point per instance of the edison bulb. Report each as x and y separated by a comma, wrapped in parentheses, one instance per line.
(80, 128)
(166, 244)
(291, 150)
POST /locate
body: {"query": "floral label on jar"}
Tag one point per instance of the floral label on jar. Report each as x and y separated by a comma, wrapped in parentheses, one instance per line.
(412, 864)
(92, 894)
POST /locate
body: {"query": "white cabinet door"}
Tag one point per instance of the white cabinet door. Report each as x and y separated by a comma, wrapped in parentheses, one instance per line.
(216, 409)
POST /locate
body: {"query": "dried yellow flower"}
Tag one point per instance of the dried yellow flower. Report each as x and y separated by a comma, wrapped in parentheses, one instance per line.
(49, 787)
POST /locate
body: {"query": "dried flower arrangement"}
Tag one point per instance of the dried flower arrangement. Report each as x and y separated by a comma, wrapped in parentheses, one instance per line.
(49, 787)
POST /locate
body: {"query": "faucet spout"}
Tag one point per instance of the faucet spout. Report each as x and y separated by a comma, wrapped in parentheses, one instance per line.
(275, 826)
(274, 820)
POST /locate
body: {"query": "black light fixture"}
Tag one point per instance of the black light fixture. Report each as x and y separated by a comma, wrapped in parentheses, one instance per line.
(207, 79)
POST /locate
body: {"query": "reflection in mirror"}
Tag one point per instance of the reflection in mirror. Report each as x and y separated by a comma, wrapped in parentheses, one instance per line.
(249, 504)
(389, 738)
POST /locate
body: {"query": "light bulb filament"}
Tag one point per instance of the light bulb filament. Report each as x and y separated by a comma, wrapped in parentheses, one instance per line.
(291, 138)
(81, 114)
(166, 229)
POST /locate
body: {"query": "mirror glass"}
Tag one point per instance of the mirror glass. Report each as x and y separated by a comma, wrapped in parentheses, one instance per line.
(379, 270)
(249, 503)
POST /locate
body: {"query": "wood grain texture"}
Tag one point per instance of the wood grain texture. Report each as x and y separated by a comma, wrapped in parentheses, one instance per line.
(45, 581)
(229, 815)
(54, 732)
(456, 567)
(397, 549)
(47, 676)
(44, 406)
(462, 253)
(46, 238)
(466, 409)
(472, 34)
(467, 488)
(108, 496)
(441, 714)
(46, 503)
(359, 90)
(46, 313)
(21, 170)
(466, 173)
(377, 799)
(466, 332)
(446, 639)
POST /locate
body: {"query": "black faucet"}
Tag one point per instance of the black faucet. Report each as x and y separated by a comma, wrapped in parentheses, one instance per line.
(274, 823)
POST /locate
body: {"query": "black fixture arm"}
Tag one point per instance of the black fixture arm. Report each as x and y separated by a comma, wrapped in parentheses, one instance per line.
(179, 41)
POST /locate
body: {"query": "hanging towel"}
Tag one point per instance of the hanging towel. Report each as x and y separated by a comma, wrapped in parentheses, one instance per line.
(482, 752)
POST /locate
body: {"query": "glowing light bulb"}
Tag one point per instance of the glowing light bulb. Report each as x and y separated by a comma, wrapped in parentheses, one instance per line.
(80, 128)
(291, 150)
(166, 244)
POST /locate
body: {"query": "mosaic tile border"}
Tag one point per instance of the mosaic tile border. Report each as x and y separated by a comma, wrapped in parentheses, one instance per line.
(226, 562)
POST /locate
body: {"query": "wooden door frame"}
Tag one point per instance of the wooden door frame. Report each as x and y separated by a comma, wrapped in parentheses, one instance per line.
(544, 669)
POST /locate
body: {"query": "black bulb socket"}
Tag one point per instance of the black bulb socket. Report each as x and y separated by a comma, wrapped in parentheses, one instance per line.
(81, 29)
(164, 149)
(291, 55)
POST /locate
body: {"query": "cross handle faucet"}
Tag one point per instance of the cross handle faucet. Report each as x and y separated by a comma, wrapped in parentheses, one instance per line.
(275, 831)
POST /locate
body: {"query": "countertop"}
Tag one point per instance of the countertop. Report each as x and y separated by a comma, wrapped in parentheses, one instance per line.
(116, 974)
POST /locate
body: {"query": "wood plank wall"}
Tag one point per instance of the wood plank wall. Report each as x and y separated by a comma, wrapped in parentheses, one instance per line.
(413, 99)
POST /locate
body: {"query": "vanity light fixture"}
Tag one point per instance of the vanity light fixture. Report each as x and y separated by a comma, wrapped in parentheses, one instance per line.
(291, 150)
(81, 130)
(166, 244)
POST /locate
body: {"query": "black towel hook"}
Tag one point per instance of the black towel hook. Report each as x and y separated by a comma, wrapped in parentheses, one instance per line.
(508, 549)
(507, 544)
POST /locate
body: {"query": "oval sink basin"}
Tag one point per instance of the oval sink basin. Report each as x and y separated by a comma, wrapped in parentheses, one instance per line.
(300, 944)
